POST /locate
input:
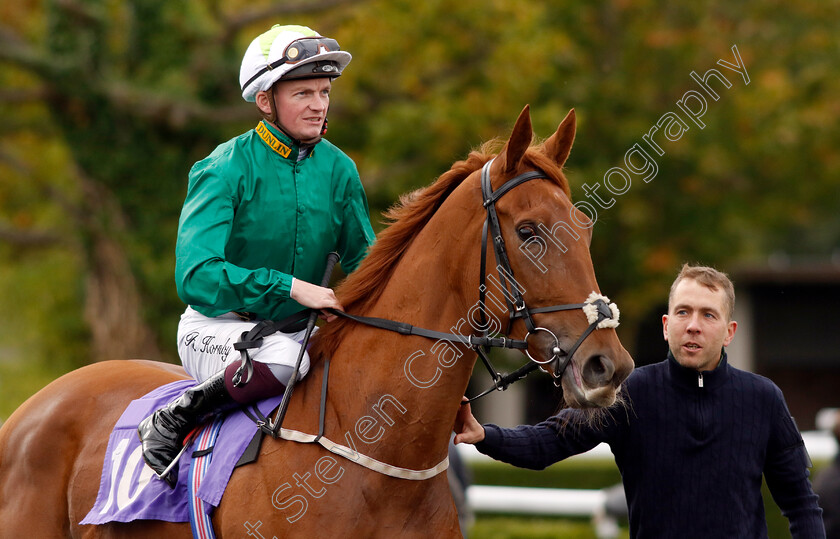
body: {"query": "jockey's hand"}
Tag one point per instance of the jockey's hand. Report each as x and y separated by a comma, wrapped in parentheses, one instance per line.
(316, 297)
(467, 428)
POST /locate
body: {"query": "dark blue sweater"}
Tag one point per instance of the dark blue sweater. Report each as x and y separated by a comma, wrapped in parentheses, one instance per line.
(691, 458)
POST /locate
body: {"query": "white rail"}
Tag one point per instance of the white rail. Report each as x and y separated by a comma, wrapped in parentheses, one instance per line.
(535, 501)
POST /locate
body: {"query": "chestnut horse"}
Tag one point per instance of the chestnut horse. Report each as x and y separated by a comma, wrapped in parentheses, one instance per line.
(391, 397)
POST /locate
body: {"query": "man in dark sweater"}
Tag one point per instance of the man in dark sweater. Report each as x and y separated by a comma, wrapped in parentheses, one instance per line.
(693, 437)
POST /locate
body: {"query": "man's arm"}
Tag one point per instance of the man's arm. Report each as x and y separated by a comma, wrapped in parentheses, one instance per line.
(203, 275)
(356, 232)
(786, 472)
(533, 446)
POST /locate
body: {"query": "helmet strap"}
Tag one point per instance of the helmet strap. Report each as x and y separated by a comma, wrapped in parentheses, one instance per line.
(272, 117)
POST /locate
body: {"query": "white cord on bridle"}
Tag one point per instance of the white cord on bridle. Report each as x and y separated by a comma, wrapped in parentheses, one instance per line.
(591, 311)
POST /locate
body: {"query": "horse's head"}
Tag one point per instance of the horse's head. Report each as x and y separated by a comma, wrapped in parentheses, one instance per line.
(546, 242)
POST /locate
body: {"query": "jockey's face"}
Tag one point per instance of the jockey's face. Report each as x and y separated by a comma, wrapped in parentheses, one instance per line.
(697, 325)
(302, 107)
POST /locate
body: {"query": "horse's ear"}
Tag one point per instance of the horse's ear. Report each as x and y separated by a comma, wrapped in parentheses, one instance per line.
(519, 140)
(558, 145)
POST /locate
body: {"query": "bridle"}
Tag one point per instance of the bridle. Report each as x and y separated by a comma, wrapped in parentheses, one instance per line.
(600, 312)
(517, 308)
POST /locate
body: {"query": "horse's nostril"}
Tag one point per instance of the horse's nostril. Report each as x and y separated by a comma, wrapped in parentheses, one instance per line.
(598, 371)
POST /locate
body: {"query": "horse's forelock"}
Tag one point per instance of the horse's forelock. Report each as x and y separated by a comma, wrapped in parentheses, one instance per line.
(537, 159)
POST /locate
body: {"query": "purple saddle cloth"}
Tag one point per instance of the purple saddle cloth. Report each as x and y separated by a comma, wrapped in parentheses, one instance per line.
(129, 490)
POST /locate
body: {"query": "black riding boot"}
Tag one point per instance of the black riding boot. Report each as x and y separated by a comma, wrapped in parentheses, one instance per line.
(163, 432)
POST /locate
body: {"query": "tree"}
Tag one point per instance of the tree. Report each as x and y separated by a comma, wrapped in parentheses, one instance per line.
(136, 91)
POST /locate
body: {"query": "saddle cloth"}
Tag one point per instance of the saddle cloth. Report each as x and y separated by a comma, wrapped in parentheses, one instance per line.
(129, 490)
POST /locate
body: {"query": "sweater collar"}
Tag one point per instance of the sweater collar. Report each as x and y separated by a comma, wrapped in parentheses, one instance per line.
(687, 377)
(283, 145)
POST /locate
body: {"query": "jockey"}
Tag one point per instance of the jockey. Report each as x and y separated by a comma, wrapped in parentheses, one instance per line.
(261, 213)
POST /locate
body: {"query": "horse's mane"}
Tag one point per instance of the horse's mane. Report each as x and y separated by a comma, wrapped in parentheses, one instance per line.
(405, 219)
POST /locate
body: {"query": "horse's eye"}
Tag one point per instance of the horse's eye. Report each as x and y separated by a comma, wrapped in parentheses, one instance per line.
(525, 232)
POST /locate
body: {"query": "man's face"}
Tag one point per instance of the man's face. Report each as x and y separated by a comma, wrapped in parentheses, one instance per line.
(302, 107)
(697, 325)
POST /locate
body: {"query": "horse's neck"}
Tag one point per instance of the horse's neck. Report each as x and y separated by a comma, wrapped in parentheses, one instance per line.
(407, 389)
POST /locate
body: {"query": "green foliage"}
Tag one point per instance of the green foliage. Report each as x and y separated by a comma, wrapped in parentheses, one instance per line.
(759, 177)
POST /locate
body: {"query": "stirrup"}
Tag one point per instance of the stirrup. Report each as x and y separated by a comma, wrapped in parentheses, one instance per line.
(166, 475)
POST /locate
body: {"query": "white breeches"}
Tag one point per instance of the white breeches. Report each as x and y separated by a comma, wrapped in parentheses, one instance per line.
(206, 345)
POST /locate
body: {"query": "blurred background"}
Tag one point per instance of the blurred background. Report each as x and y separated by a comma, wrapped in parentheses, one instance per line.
(106, 104)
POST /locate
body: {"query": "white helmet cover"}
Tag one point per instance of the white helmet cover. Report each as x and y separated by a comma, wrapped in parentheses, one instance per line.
(265, 62)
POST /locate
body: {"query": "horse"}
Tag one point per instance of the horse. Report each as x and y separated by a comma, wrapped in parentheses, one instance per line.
(392, 396)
